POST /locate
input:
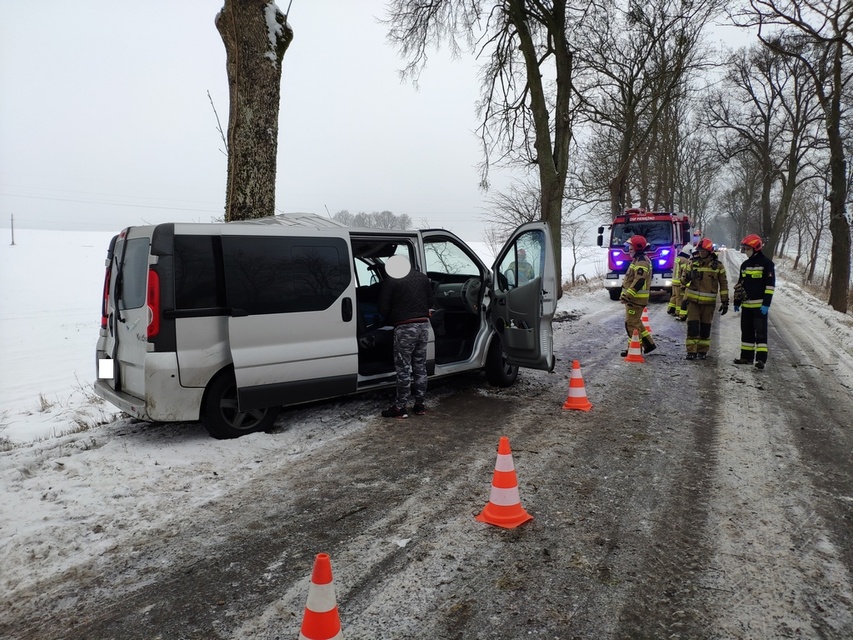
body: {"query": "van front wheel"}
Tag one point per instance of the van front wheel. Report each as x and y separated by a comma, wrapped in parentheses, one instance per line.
(499, 372)
(223, 419)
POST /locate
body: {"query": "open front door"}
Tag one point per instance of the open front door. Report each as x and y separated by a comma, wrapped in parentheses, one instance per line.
(524, 297)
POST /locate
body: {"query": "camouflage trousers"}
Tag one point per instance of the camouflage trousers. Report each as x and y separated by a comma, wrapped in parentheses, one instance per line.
(410, 350)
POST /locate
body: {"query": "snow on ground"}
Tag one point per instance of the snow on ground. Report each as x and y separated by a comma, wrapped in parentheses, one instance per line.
(70, 495)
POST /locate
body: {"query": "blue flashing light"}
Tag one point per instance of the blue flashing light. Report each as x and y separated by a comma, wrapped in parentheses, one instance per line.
(619, 263)
(664, 252)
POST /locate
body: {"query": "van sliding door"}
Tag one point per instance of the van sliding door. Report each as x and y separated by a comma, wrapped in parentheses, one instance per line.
(292, 332)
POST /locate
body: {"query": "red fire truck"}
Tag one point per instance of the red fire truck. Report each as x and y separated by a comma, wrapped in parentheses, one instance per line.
(666, 233)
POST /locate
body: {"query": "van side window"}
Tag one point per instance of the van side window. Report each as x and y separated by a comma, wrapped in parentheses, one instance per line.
(198, 273)
(284, 274)
(134, 280)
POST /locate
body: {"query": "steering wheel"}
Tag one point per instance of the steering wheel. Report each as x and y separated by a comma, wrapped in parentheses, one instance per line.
(470, 293)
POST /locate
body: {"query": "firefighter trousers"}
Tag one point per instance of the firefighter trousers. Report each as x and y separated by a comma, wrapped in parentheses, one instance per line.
(634, 320)
(753, 335)
(699, 319)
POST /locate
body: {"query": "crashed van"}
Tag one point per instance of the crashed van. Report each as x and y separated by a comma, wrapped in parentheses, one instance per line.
(228, 322)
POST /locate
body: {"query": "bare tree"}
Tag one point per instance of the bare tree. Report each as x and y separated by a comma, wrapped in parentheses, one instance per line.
(526, 118)
(740, 200)
(520, 204)
(635, 59)
(511, 208)
(824, 45)
(696, 168)
(256, 36)
(766, 108)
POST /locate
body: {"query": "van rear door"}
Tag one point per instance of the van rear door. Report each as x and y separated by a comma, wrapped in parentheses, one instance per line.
(524, 297)
(292, 330)
(127, 312)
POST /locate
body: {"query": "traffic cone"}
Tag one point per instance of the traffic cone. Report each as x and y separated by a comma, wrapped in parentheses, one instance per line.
(577, 393)
(321, 621)
(645, 319)
(504, 508)
(635, 351)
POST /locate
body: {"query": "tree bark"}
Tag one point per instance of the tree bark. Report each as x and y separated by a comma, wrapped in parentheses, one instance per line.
(256, 35)
(553, 161)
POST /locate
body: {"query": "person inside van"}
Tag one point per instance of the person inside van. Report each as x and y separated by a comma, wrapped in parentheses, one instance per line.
(405, 301)
(525, 269)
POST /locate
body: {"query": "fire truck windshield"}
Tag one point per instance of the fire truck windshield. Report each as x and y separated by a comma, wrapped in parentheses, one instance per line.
(654, 231)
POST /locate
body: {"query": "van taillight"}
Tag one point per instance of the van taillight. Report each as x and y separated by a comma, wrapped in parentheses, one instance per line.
(105, 302)
(153, 303)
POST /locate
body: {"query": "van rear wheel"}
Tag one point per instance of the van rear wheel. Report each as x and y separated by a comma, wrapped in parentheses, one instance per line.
(222, 417)
(499, 372)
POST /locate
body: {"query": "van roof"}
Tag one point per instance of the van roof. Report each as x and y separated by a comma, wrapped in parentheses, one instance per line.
(296, 219)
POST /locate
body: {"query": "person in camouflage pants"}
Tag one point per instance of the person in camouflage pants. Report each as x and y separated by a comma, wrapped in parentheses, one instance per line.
(406, 300)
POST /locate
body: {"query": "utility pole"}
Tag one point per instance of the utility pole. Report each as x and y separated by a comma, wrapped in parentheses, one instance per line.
(13, 229)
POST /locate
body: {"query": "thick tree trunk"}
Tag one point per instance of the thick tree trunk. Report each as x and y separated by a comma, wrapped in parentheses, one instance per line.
(256, 36)
(839, 227)
(553, 156)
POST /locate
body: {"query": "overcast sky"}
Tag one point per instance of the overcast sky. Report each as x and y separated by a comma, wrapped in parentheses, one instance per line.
(105, 120)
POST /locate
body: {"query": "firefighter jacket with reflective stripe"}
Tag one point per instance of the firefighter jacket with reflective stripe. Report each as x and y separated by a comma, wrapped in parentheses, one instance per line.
(703, 278)
(756, 282)
(635, 285)
(681, 262)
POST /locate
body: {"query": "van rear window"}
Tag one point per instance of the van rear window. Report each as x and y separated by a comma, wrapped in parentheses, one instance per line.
(284, 274)
(134, 272)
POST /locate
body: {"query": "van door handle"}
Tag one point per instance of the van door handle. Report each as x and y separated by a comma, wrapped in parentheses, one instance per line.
(346, 309)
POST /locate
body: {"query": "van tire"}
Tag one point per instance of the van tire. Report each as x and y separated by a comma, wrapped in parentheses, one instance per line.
(221, 417)
(614, 293)
(499, 372)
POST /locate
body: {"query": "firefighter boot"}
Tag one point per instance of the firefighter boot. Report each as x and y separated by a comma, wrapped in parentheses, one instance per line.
(648, 345)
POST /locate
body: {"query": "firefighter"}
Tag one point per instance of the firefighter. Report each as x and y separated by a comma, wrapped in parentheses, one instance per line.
(753, 293)
(680, 267)
(705, 277)
(635, 292)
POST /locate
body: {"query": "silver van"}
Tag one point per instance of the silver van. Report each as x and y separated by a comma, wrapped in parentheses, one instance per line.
(226, 323)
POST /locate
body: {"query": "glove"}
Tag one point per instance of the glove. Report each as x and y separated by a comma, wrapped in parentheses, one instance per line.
(724, 308)
(737, 308)
(684, 305)
(764, 309)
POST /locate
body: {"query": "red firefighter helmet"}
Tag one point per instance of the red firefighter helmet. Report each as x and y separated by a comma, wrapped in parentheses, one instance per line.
(752, 241)
(706, 244)
(637, 243)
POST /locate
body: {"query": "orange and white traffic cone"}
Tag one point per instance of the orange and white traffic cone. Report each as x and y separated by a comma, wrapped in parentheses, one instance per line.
(321, 621)
(645, 319)
(635, 351)
(504, 508)
(577, 393)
